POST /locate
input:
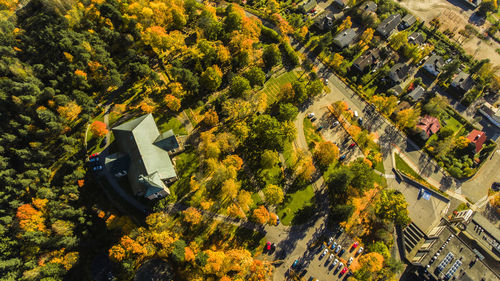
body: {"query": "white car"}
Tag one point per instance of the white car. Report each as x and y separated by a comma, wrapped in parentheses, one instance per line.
(335, 262)
(360, 250)
(310, 115)
(350, 261)
(338, 249)
(341, 265)
(330, 257)
(326, 81)
(335, 124)
(324, 253)
(330, 241)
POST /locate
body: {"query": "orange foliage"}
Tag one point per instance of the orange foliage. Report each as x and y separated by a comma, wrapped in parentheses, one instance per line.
(81, 73)
(235, 211)
(233, 160)
(192, 216)
(146, 105)
(80, 183)
(172, 102)
(210, 118)
(226, 278)
(373, 262)
(99, 129)
(189, 254)
(127, 246)
(30, 219)
(261, 214)
(354, 131)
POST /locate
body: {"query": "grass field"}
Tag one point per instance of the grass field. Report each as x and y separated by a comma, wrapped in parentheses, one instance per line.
(166, 123)
(296, 206)
(273, 85)
(310, 133)
(405, 168)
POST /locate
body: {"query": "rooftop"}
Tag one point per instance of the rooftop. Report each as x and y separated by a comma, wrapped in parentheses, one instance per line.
(399, 72)
(367, 59)
(434, 64)
(387, 26)
(368, 6)
(417, 93)
(463, 82)
(429, 124)
(416, 38)
(345, 38)
(477, 138)
(408, 20)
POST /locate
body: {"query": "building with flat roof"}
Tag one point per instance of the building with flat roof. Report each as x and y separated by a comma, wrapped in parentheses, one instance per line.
(148, 164)
(449, 253)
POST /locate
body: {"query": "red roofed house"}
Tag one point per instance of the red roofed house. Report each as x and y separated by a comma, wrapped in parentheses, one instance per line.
(477, 138)
(429, 125)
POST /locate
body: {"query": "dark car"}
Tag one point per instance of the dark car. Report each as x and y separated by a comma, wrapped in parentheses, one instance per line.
(313, 119)
(341, 252)
(342, 157)
(295, 263)
(319, 128)
(496, 186)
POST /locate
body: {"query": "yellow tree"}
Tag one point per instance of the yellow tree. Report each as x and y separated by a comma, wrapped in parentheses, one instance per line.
(407, 118)
(261, 214)
(273, 194)
(326, 153)
(230, 189)
(337, 60)
(172, 102)
(345, 24)
(147, 105)
(192, 216)
(245, 200)
(210, 118)
(70, 111)
(366, 37)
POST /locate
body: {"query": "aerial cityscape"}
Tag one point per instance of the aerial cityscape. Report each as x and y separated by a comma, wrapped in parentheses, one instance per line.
(216, 140)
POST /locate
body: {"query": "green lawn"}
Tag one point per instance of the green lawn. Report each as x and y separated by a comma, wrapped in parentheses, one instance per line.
(289, 154)
(273, 85)
(186, 164)
(405, 168)
(310, 132)
(452, 123)
(297, 206)
(166, 123)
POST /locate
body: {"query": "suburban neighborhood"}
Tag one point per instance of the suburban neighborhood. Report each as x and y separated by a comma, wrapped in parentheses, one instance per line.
(250, 140)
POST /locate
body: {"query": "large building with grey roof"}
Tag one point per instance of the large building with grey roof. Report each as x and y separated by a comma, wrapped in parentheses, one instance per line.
(149, 167)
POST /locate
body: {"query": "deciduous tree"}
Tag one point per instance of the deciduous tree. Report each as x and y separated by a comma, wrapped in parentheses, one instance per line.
(98, 129)
(273, 194)
(261, 214)
(326, 153)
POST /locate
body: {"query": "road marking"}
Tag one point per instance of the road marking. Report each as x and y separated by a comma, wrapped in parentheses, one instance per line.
(389, 176)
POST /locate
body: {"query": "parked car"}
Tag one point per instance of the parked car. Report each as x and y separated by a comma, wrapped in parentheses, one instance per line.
(313, 119)
(273, 246)
(344, 271)
(360, 250)
(335, 262)
(330, 241)
(342, 157)
(324, 253)
(360, 121)
(356, 114)
(330, 257)
(355, 245)
(341, 265)
(335, 124)
(326, 81)
(341, 252)
(295, 263)
(268, 246)
(319, 128)
(352, 145)
(277, 220)
(323, 246)
(93, 155)
(350, 261)
(338, 249)
(310, 115)
(496, 186)
(334, 246)
(97, 168)
(94, 159)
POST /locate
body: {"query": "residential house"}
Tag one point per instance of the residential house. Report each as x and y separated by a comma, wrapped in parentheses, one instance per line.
(387, 27)
(407, 21)
(477, 138)
(462, 82)
(417, 94)
(429, 126)
(341, 4)
(150, 168)
(324, 21)
(308, 6)
(434, 65)
(368, 6)
(396, 90)
(399, 72)
(366, 60)
(345, 38)
(491, 113)
(416, 38)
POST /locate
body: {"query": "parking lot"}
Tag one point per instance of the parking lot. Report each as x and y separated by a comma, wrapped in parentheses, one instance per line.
(328, 258)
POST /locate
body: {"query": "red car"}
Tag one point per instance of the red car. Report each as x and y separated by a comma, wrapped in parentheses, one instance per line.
(352, 145)
(344, 271)
(355, 245)
(93, 155)
(268, 246)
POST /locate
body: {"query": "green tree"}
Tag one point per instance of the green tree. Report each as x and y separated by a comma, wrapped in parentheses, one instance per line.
(314, 88)
(271, 55)
(341, 212)
(238, 86)
(255, 76)
(211, 78)
(269, 159)
(449, 70)
(273, 194)
(326, 153)
(178, 253)
(287, 112)
(363, 175)
(392, 206)
(398, 40)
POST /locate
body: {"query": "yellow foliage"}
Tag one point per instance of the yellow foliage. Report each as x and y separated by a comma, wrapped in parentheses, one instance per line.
(70, 111)
(81, 73)
(68, 56)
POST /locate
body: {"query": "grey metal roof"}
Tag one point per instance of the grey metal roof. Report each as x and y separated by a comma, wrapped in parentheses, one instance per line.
(137, 138)
(344, 38)
(416, 38)
(386, 27)
(369, 6)
(167, 141)
(417, 93)
(463, 81)
(408, 20)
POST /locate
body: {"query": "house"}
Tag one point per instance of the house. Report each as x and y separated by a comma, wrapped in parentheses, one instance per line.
(150, 168)
(324, 21)
(366, 60)
(308, 6)
(477, 138)
(341, 4)
(491, 113)
(395, 90)
(345, 38)
(387, 27)
(407, 21)
(462, 82)
(416, 38)
(434, 65)
(429, 126)
(417, 94)
(368, 6)
(399, 72)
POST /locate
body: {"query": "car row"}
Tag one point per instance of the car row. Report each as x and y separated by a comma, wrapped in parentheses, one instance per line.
(94, 162)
